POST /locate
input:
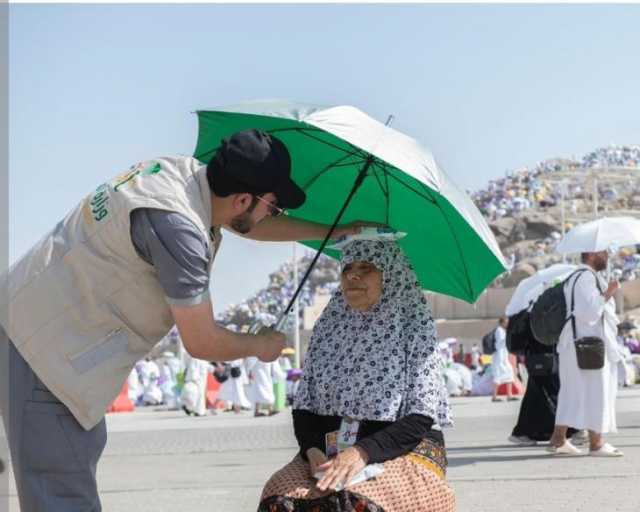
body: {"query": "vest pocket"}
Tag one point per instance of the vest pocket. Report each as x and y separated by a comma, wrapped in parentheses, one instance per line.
(115, 342)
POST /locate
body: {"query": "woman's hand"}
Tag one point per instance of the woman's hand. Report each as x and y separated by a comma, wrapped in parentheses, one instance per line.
(342, 468)
(316, 458)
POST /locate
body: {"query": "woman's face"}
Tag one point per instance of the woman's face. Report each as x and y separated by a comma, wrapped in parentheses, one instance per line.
(361, 284)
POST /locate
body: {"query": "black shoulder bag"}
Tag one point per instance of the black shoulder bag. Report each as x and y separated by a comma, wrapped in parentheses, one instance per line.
(541, 365)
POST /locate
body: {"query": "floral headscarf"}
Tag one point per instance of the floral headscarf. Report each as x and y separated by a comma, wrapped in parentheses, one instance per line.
(381, 364)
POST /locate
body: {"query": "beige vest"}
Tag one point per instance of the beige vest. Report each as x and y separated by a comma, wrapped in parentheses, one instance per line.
(82, 307)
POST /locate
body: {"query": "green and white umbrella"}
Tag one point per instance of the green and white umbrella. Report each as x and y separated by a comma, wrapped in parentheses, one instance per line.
(352, 164)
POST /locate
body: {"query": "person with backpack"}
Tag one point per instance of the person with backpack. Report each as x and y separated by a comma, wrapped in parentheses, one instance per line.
(536, 419)
(489, 343)
(588, 357)
(500, 365)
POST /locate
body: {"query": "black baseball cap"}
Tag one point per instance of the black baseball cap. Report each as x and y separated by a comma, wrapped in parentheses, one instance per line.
(255, 162)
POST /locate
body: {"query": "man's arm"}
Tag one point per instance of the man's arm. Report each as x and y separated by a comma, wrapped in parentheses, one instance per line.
(204, 339)
(178, 251)
(287, 229)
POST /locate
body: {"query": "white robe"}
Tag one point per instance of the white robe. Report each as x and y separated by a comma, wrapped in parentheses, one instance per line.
(453, 381)
(465, 375)
(482, 383)
(475, 357)
(194, 393)
(285, 364)
(502, 369)
(150, 376)
(232, 389)
(587, 398)
(261, 390)
(135, 386)
(169, 373)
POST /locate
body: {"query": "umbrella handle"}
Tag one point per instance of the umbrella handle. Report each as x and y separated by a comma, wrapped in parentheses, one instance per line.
(258, 325)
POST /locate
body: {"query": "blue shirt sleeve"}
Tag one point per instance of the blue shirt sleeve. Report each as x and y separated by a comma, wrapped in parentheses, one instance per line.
(177, 249)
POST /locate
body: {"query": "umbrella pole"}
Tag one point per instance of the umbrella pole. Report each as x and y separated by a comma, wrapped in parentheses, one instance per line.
(356, 185)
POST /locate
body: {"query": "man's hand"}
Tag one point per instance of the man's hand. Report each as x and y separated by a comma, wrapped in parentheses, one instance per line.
(353, 228)
(269, 344)
(288, 229)
(316, 459)
(342, 468)
(204, 339)
(612, 289)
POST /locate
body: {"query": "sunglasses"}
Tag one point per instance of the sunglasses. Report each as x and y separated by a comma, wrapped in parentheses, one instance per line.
(274, 209)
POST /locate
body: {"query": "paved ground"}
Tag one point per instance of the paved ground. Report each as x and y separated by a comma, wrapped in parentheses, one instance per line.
(164, 461)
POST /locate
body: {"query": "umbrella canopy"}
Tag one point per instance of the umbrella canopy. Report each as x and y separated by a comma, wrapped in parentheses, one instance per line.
(449, 243)
(601, 235)
(532, 287)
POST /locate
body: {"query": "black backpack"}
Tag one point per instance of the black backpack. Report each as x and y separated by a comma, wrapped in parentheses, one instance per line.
(518, 332)
(489, 343)
(549, 313)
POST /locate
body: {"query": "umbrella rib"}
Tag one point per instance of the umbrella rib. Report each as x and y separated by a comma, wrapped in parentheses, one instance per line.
(295, 129)
(348, 164)
(337, 163)
(386, 181)
(413, 189)
(303, 131)
(385, 191)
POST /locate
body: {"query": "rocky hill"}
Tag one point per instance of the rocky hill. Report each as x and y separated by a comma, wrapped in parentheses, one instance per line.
(526, 210)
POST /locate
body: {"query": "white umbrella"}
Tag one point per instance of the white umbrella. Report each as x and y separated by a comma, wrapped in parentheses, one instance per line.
(601, 235)
(532, 287)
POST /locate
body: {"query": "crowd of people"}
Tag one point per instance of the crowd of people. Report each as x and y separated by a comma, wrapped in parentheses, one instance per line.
(613, 156)
(481, 372)
(274, 298)
(175, 380)
(525, 188)
(520, 190)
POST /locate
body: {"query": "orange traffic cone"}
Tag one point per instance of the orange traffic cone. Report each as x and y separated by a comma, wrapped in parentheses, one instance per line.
(213, 388)
(122, 402)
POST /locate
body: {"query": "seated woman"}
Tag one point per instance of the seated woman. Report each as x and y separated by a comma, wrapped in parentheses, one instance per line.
(372, 375)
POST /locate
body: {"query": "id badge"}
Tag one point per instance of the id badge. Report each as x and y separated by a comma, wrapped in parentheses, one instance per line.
(348, 433)
(331, 443)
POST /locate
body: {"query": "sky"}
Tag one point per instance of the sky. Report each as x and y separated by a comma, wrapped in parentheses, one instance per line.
(487, 88)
